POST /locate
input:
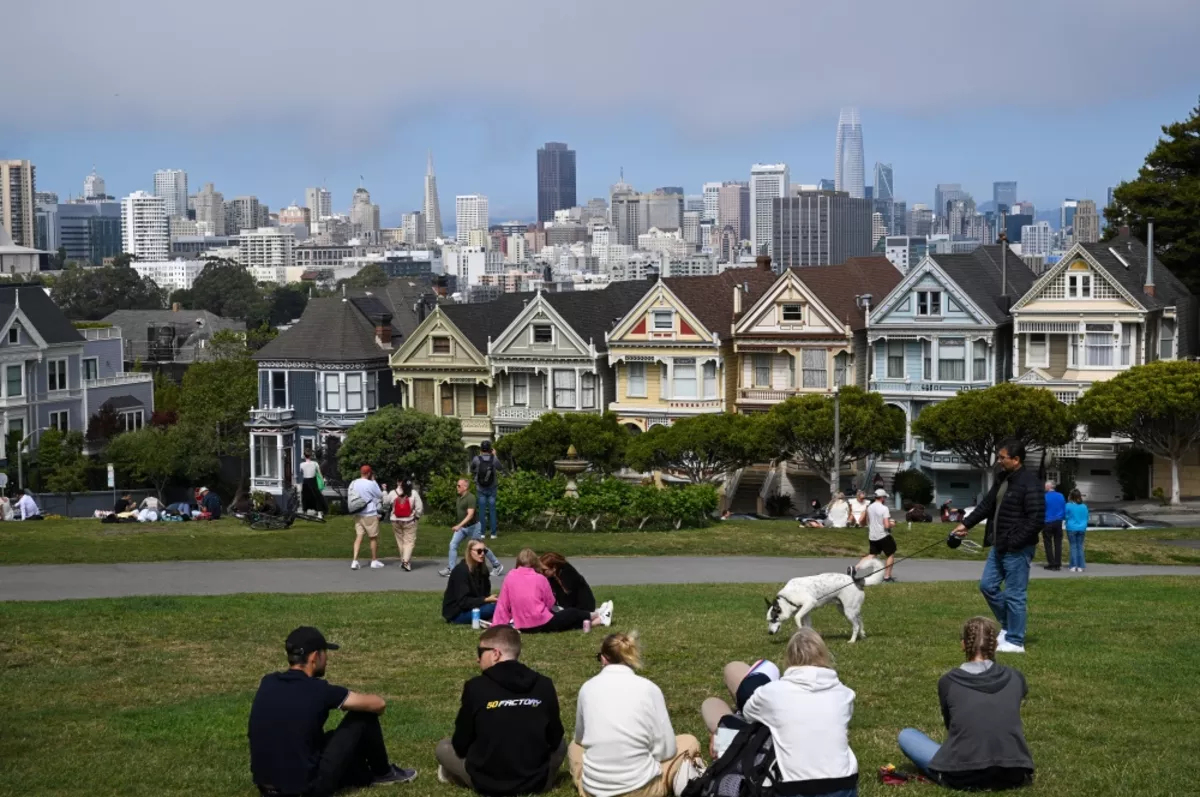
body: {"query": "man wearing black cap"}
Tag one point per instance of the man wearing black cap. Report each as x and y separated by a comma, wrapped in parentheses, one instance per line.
(291, 755)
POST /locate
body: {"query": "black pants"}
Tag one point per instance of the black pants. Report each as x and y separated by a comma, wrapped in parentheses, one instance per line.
(565, 620)
(353, 754)
(310, 496)
(1052, 540)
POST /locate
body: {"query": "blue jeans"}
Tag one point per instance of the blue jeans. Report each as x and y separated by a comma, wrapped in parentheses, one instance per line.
(919, 748)
(1075, 541)
(1008, 602)
(472, 532)
(487, 508)
(485, 613)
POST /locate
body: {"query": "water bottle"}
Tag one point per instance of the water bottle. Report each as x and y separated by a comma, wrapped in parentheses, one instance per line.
(475, 618)
(587, 626)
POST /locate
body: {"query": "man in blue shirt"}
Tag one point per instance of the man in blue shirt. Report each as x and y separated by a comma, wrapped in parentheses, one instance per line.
(1052, 534)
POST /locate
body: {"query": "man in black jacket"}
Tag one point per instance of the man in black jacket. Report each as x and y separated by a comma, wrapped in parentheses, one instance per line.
(1015, 511)
(508, 737)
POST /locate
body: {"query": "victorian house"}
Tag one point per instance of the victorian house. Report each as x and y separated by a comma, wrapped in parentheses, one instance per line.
(944, 329)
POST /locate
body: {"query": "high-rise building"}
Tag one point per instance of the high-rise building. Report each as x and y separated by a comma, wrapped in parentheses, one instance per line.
(319, 203)
(712, 193)
(920, 221)
(1087, 223)
(93, 186)
(691, 227)
(1109, 202)
(905, 251)
(883, 182)
(171, 185)
(768, 182)
(555, 179)
(664, 210)
(210, 208)
(363, 214)
(1014, 223)
(413, 225)
(145, 232)
(945, 193)
(629, 216)
(1004, 194)
(820, 228)
(70, 227)
(296, 216)
(1037, 239)
(849, 167)
(470, 213)
(431, 208)
(733, 209)
(1066, 214)
(267, 252)
(242, 213)
(879, 230)
(17, 206)
(825, 184)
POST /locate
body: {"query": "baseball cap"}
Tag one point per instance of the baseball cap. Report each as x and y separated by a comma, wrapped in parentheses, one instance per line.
(305, 640)
(486, 445)
(762, 672)
(365, 470)
(881, 493)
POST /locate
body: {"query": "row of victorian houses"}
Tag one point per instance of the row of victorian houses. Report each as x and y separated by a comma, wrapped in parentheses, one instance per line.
(741, 341)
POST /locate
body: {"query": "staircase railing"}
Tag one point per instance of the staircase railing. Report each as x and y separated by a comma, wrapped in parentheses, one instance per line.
(768, 487)
(732, 480)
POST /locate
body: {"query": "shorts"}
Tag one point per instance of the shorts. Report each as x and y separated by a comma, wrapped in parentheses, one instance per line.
(367, 525)
(886, 546)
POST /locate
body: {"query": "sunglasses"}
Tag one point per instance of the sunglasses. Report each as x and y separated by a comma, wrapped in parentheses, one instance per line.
(480, 551)
(480, 651)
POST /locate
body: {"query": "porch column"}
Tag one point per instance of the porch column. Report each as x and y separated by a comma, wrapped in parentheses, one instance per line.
(253, 442)
(578, 389)
(1016, 352)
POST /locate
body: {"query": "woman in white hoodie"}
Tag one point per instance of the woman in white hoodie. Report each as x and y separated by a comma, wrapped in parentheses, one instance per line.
(808, 711)
(624, 745)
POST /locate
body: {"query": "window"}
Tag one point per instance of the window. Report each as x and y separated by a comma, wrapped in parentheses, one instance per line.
(927, 360)
(520, 390)
(278, 390)
(895, 359)
(841, 369)
(354, 393)
(60, 420)
(1166, 339)
(447, 401)
(812, 368)
(58, 374)
(308, 444)
(663, 320)
(636, 386)
(929, 302)
(91, 368)
(684, 386)
(1128, 335)
(372, 388)
(266, 457)
(979, 361)
(333, 393)
(14, 382)
(587, 398)
(1079, 286)
(792, 313)
(132, 420)
(543, 333)
(564, 389)
(1098, 345)
(14, 334)
(481, 399)
(439, 345)
(762, 370)
(952, 359)
(1037, 351)
(710, 380)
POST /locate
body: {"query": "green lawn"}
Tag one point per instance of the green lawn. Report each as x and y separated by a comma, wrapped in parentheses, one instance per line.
(68, 541)
(149, 696)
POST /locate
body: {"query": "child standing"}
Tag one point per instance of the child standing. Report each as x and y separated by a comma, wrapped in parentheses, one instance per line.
(1076, 523)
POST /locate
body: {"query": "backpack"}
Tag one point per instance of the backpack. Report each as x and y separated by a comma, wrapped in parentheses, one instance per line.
(741, 771)
(485, 474)
(402, 509)
(355, 503)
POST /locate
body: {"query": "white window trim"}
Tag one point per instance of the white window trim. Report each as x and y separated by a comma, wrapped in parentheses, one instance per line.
(716, 380)
(51, 367)
(782, 313)
(533, 335)
(929, 294)
(308, 443)
(449, 343)
(347, 392)
(1091, 284)
(271, 389)
(695, 380)
(654, 314)
(513, 379)
(629, 380)
(325, 392)
(1029, 361)
(66, 414)
(754, 366)
(574, 403)
(84, 363)
(21, 369)
(126, 415)
(588, 383)
(887, 358)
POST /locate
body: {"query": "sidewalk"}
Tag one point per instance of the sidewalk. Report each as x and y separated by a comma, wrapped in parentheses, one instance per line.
(58, 582)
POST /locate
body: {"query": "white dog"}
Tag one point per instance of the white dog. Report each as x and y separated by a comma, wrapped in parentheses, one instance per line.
(801, 596)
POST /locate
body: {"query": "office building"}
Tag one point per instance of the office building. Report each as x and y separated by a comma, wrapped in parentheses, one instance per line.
(919, 221)
(145, 232)
(555, 179)
(364, 216)
(470, 213)
(691, 227)
(820, 228)
(1109, 202)
(17, 206)
(669, 242)
(71, 227)
(905, 251)
(733, 209)
(93, 186)
(879, 230)
(849, 168)
(712, 200)
(210, 208)
(883, 182)
(629, 216)
(1013, 224)
(294, 215)
(413, 225)
(596, 208)
(768, 182)
(268, 253)
(1066, 215)
(171, 185)
(432, 209)
(664, 209)
(1037, 239)
(242, 213)
(319, 203)
(1004, 195)
(945, 193)
(1087, 223)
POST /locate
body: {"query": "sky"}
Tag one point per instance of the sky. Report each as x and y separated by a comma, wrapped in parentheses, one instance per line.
(1064, 96)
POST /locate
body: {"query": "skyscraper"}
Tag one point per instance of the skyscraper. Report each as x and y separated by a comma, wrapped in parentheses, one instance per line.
(210, 208)
(712, 193)
(470, 213)
(242, 213)
(145, 233)
(1037, 239)
(733, 210)
(17, 187)
(883, 181)
(1087, 223)
(171, 185)
(363, 214)
(319, 203)
(820, 228)
(767, 182)
(848, 174)
(1066, 214)
(1004, 193)
(555, 179)
(946, 192)
(431, 208)
(93, 186)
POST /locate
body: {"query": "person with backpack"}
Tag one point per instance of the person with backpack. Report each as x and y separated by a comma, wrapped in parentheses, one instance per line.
(485, 467)
(363, 499)
(404, 508)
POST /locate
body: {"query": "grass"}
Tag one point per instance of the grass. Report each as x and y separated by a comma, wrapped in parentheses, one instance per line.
(80, 541)
(149, 696)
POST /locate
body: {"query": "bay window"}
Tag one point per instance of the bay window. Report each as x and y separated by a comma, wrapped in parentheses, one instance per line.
(279, 390)
(481, 399)
(354, 393)
(266, 457)
(762, 370)
(710, 380)
(635, 387)
(927, 360)
(447, 395)
(564, 389)
(333, 393)
(1037, 351)
(587, 396)
(812, 368)
(895, 359)
(1098, 345)
(14, 382)
(1128, 338)
(520, 390)
(841, 369)
(1166, 339)
(952, 359)
(57, 375)
(979, 361)
(372, 387)
(684, 386)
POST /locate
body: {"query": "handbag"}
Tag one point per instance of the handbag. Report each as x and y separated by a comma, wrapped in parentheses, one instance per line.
(320, 481)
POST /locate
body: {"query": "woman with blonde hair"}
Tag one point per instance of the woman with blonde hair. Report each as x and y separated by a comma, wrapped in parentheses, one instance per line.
(985, 746)
(624, 745)
(469, 587)
(808, 711)
(527, 600)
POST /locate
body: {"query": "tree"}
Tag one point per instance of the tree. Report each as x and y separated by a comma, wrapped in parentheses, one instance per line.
(1167, 188)
(402, 443)
(183, 297)
(704, 448)
(150, 455)
(59, 259)
(62, 465)
(216, 400)
(1156, 405)
(371, 275)
(287, 303)
(803, 427)
(599, 439)
(104, 426)
(167, 396)
(974, 423)
(227, 289)
(91, 294)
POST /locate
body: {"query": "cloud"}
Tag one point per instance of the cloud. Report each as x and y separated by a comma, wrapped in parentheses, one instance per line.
(696, 63)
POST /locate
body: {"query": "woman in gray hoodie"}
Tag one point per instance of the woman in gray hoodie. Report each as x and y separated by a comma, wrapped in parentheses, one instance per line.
(981, 704)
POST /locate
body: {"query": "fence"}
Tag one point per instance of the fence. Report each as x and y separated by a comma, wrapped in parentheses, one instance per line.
(83, 504)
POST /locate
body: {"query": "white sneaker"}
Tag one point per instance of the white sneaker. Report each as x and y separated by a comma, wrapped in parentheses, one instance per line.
(354, 565)
(376, 564)
(442, 777)
(497, 570)
(1001, 637)
(606, 612)
(1008, 647)
(444, 572)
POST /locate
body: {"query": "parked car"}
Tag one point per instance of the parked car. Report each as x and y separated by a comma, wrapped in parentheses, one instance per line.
(1112, 520)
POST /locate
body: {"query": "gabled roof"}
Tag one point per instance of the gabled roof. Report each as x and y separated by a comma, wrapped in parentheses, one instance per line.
(402, 297)
(980, 275)
(1168, 289)
(483, 321)
(593, 313)
(837, 287)
(710, 299)
(330, 330)
(42, 313)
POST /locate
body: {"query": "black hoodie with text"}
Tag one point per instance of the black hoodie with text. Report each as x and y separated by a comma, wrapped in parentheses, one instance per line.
(507, 728)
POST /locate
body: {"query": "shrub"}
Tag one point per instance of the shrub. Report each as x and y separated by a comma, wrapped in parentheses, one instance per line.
(914, 486)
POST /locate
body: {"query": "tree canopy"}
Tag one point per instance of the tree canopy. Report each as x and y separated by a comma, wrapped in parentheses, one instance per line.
(227, 289)
(287, 302)
(151, 455)
(1167, 188)
(703, 448)
(1156, 405)
(402, 443)
(217, 397)
(90, 294)
(599, 439)
(371, 275)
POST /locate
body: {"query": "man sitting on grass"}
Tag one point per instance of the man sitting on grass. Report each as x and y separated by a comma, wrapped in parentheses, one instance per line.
(508, 737)
(290, 752)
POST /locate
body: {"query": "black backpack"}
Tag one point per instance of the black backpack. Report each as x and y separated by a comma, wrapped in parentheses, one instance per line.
(741, 771)
(485, 475)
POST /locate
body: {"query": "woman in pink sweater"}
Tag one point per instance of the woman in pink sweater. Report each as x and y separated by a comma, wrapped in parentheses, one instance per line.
(527, 602)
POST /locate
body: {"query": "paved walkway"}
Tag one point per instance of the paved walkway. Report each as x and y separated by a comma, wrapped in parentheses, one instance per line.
(57, 582)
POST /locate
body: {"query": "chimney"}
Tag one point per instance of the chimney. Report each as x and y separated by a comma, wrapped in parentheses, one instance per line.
(763, 262)
(737, 300)
(1149, 287)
